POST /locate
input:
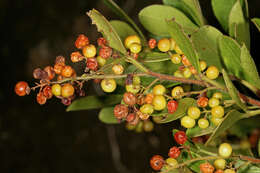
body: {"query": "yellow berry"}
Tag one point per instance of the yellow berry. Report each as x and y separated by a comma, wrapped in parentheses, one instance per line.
(89, 51)
(164, 45)
(194, 112)
(217, 112)
(212, 72)
(135, 47)
(56, 89)
(229, 171)
(225, 150)
(203, 123)
(186, 72)
(118, 69)
(132, 39)
(216, 121)
(133, 88)
(147, 109)
(101, 61)
(177, 92)
(159, 90)
(203, 65)
(178, 50)
(172, 162)
(220, 163)
(67, 90)
(172, 43)
(108, 85)
(178, 73)
(213, 102)
(159, 102)
(217, 95)
(176, 58)
(187, 122)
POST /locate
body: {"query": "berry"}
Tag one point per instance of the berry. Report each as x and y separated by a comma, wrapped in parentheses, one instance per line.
(92, 64)
(130, 126)
(66, 101)
(148, 126)
(76, 56)
(229, 171)
(152, 43)
(50, 71)
(172, 44)
(41, 99)
(178, 73)
(136, 80)
(131, 39)
(217, 95)
(157, 162)
(177, 92)
(56, 89)
(177, 49)
(140, 99)
(186, 72)
(194, 112)
(135, 47)
(101, 61)
(58, 68)
(219, 171)
(120, 111)
(203, 123)
(133, 88)
(164, 45)
(81, 41)
(105, 52)
(108, 85)
(47, 92)
(185, 61)
(67, 71)
(202, 102)
(187, 122)
(139, 127)
(159, 90)
(60, 60)
(172, 106)
(203, 65)
(212, 72)
(37, 73)
(220, 163)
(159, 102)
(173, 163)
(176, 58)
(129, 99)
(213, 102)
(118, 69)
(193, 70)
(89, 51)
(225, 150)
(174, 152)
(216, 121)
(147, 109)
(67, 90)
(142, 116)
(149, 98)
(22, 88)
(101, 41)
(206, 168)
(217, 112)
(180, 137)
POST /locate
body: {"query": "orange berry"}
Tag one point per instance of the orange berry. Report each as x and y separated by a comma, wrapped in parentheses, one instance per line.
(81, 41)
(202, 102)
(76, 56)
(22, 88)
(41, 99)
(67, 71)
(67, 90)
(149, 98)
(206, 168)
(185, 61)
(58, 68)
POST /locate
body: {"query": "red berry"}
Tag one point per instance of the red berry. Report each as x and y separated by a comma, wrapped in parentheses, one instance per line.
(206, 168)
(101, 41)
(120, 111)
(202, 102)
(130, 117)
(180, 137)
(50, 71)
(92, 64)
(41, 99)
(47, 92)
(76, 56)
(22, 88)
(81, 41)
(129, 99)
(152, 43)
(105, 52)
(172, 106)
(66, 101)
(174, 152)
(157, 162)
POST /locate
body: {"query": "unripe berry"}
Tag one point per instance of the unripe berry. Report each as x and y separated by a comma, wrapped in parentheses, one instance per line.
(203, 65)
(148, 126)
(194, 112)
(173, 163)
(164, 45)
(105, 52)
(56, 89)
(136, 80)
(217, 112)
(187, 122)
(67, 90)
(202, 102)
(180, 137)
(216, 121)
(118, 69)
(101, 61)
(108, 85)
(176, 58)
(129, 99)
(135, 48)
(172, 106)
(177, 49)
(130, 126)
(50, 71)
(225, 150)
(229, 171)
(217, 95)
(41, 99)
(157, 162)
(139, 127)
(185, 61)
(203, 123)
(101, 41)
(178, 73)
(92, 64)
(147, 109)
(174, 152)
(76, 56)
(212, 72)
(206, 168)
(89, 51)
(159, 90)
(177, 92)
(152, 43)
(159, 102)
(47, 92)
(131, 39)
(149, 98)
(172, 44)
(220, 163)
(186, 72)
(133, 88)
(67, 71)
(213, 102)
(81, 41)
(120, 111)
(22, 88)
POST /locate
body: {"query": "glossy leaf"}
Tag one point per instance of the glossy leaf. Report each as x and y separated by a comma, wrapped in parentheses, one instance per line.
(197, 131)
(107, 30)
(233, 91)
(189, 7)
(117, 10)
(183, 42)
(94, 102)
(256, 21)
(238, 25)
(106, 115)
(230, 118)
(205, 41)
(154, 17)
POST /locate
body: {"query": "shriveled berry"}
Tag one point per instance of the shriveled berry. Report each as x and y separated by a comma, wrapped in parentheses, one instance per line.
(149, 98)
(41, 99)
(164, 45)
(129, 98)
(133, 88)
(67, 90)
(60, 60)
(37, 73)
(108, 85)
(81, 41)
(66, 101)
(180, 137)
(60, 77)
(193, 70)
(105, 52)
(56, 89)
(159, 90)
(157, 162)
(202, 102)
(101, 61)
(92, 64)
(58, 68)
(148, 126)
(159, 102)
(176, 58)
(130, 117)
(50, 71)
(22, 88)
(47, 92)
(172, 106)
(118, 69)
(152, 43)
(212, 72)
(198, 139)
(67, 71)
(101, 41)
(206, 168)
(89, 51)
(142, 116)
(177, 92)
(140, 99)
(120, 111)
(76, 56)
(131, 39)
(174, 152)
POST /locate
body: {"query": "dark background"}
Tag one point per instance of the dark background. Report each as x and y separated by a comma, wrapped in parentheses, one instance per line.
(41, 139)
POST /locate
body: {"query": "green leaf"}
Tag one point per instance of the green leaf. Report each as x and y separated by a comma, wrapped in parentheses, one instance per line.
(117, 10)
(183, 42)
(197, 131)
(181, 111)
(189, 7)
(94, 102)
(246, 167)
(249, 68)
(233, 91)
(106, 115)
(238, 25)
(154, 17)
(107, 30)
(230, 53)
(256, 21)
(205, 41)
(231, 118)
(122, 29)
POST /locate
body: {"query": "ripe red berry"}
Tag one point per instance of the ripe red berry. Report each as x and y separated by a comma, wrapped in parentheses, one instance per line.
(129, 99)
(101, 41)
(172, 106)
(47, 92)
(81, 41)
(202, 102)
(206, 168)
(120, 111)
(152, 43)
(105, 52)
(157, 162)
(50, 71)
(174, 152)
(76, 56)
(22, 88)
(92, 64)
(180, 137)
(41, 99)
(130, 117)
